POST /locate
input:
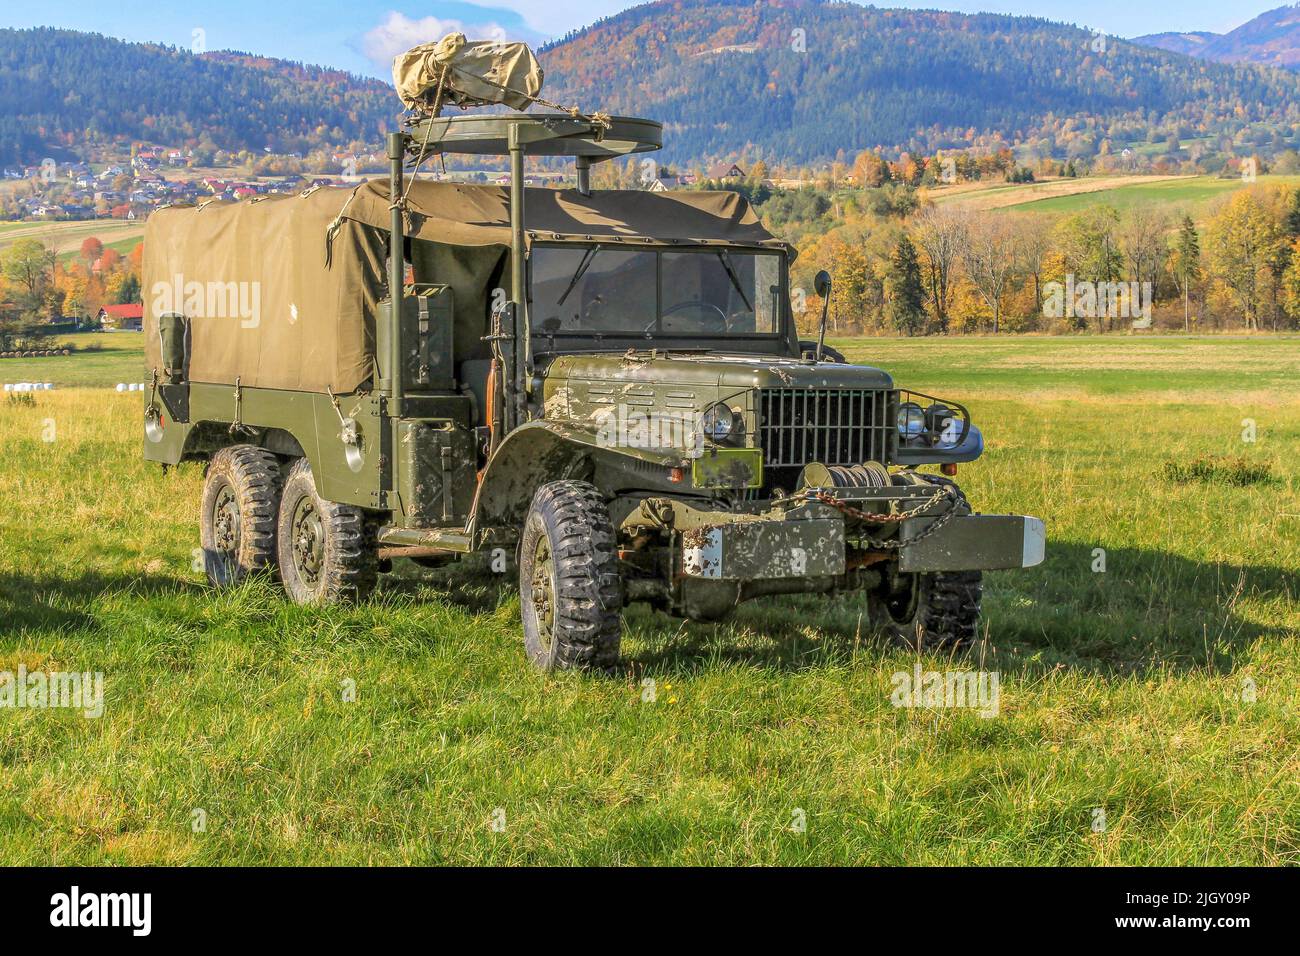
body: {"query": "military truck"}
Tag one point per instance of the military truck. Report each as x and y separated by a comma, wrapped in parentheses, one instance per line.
(606, 385)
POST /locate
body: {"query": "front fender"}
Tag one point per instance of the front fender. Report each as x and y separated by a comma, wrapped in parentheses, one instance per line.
(543, 451)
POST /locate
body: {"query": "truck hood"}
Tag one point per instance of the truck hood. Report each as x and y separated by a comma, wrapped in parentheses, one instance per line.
(711, 371)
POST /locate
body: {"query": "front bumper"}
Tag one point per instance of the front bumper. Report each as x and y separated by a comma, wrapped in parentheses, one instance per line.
(974, 543)
(816, 539)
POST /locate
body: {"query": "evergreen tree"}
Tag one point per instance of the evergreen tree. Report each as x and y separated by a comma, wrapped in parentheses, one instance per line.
(906, 294)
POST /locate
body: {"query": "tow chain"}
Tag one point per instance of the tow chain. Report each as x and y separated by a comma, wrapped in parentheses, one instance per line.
(894, 544)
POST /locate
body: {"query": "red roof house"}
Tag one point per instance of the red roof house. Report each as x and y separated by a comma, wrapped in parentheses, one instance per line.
(125, 318)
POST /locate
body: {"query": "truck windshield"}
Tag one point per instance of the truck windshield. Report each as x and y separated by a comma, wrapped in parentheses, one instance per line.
(612, 290)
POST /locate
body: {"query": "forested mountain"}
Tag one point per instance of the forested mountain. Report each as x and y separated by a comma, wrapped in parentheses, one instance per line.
(1192, 44)
(804, 79)
(1272, 38)
(60, 87)
(792, 81)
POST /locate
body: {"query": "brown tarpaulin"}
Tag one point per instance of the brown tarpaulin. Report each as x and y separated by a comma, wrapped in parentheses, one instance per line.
(476, 73)
(264, 306)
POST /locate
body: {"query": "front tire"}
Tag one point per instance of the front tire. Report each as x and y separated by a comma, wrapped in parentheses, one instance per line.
(328, 552)
(935, 610)
(571, 593)
(241, 497)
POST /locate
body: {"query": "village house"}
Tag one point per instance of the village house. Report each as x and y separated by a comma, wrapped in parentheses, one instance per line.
(122, 318)
(725, 171)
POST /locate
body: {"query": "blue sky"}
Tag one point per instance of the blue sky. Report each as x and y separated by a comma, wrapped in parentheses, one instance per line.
(362, 35)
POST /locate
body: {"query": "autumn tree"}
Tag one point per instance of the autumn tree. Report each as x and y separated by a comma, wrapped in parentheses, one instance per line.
(1241, 239)
(1143, 240)
(940, 232)
(29, 266)
(91, 249)
(870, 169)
(1033, 243)
(989, 257)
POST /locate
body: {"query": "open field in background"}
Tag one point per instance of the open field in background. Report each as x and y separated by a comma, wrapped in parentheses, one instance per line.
(1064, 196)
(995, 195)
(66, 237)
(108, 358)
(1121, 690)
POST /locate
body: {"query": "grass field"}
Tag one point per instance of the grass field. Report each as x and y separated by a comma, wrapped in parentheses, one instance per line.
(1122, 690)
(995, 195)
(66, 237)
(103, 360)
(1064, 196)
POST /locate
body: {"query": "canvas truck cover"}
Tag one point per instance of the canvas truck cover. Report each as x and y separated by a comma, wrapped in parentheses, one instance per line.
(263, 307)
(282, 292)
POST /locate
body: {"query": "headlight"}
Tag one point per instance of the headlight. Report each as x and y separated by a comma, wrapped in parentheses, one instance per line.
(911, 421)
(718, 422)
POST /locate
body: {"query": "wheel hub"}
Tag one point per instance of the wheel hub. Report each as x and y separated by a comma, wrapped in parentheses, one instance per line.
(225, 521)
(543, 591)
(308, 542)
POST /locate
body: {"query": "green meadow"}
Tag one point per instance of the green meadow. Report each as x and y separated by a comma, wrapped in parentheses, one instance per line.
(1148, 671)
(1195, 194)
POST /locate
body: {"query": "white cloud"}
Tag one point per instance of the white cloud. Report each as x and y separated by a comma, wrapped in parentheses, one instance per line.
(398, 33)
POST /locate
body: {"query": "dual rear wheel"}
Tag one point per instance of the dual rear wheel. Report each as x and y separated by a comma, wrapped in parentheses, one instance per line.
(259, 519)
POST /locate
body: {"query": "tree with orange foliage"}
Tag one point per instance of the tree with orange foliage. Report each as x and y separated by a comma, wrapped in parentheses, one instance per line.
(91, 249)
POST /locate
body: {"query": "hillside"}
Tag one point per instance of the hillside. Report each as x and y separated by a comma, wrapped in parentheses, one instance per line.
(727, 73)
(800, 81)
(1191, 44)
(1272, 38)
(59, 87)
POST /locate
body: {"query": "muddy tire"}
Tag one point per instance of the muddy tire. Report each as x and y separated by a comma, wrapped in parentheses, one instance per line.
(328, 552)
(237, 518)
(936, 610)
(571, 594)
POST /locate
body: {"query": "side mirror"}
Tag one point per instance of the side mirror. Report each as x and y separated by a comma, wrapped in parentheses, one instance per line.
(822, 284)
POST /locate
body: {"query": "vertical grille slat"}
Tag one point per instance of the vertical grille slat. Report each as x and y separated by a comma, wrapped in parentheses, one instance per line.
(836, 426)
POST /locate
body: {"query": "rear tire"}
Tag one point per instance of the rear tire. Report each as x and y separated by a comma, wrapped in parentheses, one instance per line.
(237, 519)
(571, 594)
(327, 551)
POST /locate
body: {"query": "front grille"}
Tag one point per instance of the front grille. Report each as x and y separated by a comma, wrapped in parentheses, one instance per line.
(836, 426)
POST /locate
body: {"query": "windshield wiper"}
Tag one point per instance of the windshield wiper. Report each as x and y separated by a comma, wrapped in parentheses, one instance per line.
(735, 279)
(582, 270)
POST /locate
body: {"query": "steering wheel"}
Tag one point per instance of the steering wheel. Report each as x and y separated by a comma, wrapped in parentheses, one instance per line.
(700, 304)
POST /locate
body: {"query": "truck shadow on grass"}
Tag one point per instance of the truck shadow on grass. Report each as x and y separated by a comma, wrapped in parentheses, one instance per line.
(1149, 610)
(66, 604)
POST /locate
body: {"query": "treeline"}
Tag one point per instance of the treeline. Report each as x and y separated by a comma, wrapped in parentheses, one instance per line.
(60, 88)
(953, 269)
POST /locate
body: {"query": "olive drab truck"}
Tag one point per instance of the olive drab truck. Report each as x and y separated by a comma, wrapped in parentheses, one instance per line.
(608, 384)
